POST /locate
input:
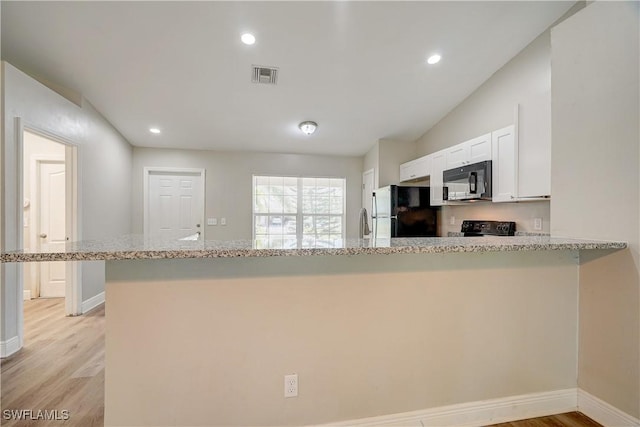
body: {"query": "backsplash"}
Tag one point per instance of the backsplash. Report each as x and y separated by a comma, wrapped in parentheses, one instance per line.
(523, 213)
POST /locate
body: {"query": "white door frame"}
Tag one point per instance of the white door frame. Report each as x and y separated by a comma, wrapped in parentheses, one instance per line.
(365, 173)
(73, 289)
(373, 188)
(160, 169)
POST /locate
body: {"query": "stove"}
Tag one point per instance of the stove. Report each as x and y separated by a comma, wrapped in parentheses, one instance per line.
(488, 228)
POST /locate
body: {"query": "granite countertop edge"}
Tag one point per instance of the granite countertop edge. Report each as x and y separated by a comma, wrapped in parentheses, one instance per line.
(131, 249)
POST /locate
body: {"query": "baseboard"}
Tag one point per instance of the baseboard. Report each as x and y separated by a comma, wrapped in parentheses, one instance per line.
(602, 412)
(479, 413)
(26, 294)
(10, 346)
(92, 302)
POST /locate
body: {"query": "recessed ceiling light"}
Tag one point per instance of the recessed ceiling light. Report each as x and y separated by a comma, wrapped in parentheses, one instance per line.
(433, 59)
(248, 38)
(154, 130)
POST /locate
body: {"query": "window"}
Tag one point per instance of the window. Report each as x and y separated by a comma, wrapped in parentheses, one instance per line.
(291, 212)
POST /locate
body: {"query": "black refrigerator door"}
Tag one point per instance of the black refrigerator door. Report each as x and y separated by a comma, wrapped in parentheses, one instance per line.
(421, 222)
(407, 198)
(414, 217)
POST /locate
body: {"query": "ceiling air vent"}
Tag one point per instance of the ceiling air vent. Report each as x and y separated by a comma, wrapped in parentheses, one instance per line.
(264, 75)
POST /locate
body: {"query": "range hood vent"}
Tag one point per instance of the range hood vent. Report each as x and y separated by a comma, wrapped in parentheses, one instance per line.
(264, 75)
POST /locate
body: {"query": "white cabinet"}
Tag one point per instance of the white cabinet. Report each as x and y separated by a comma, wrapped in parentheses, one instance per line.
(415, 169)
(520, 169)
(504, 165)
(534, 155)
(457, 156)
(480, 148)
(473, 151)
(438, 165)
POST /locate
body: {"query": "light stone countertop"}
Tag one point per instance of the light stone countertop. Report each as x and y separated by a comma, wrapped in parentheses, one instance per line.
(138, 247)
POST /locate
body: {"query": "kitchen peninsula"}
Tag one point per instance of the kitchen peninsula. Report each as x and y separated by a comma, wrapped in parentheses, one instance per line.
(203, 332)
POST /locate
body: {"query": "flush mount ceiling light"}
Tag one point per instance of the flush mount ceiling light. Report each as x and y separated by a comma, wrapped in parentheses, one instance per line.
(308, 127)
(154, 130)
(433, 59)
(248, 38)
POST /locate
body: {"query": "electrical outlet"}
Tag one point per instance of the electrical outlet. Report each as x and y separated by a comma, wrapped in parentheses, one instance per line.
(291, 385)
(452, 220)
(223, 221)
(212, 221)
(537, 224)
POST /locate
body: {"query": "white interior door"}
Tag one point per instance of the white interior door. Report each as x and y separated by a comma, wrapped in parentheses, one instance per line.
(51, 227)
(175, 205)
(367, 194)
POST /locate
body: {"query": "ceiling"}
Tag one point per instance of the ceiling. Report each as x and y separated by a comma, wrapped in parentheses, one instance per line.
(356, 68)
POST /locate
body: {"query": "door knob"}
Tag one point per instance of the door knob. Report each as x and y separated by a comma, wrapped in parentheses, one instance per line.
(43, 235)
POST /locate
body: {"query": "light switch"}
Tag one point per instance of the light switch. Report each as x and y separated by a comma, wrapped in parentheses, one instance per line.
(212, 221)
(223, 221)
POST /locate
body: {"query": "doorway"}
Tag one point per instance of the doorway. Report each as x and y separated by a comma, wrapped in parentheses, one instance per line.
(49, 217)
(367, 193)
(174, 202)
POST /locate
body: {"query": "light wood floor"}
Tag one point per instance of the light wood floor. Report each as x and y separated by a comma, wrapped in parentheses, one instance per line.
(571, 419)
(62, 367)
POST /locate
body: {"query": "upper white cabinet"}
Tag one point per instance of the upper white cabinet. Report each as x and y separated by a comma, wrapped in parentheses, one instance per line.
(521, 161)
(415, 169)
(438, 165)
(534, 155)
(457, 156)
(504, 165)
(473, 151)
(480, 148)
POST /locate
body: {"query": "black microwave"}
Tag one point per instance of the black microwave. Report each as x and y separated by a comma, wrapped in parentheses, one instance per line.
(470, 182)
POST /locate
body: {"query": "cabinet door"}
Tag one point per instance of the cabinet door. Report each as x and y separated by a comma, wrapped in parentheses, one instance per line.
(505, 165)
(423, 166)
(415, 169)
(405, 171)
(473, 151)
(457, 156)
(438, 165)
(479, 148)
(534, 152)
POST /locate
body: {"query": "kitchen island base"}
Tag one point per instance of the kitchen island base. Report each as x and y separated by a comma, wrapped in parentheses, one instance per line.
(209, 341)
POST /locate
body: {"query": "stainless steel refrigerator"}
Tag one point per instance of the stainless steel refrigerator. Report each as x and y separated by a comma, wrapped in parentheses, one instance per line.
(403, 212)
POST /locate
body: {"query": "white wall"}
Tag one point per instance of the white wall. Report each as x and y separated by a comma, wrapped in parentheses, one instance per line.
(524, 80)
(229, 183)
(522, 213)
(391, 155)
(104, 178)
(596, 187)
(368, 335)
(371, 161)
(3, 294)
(385, 158)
